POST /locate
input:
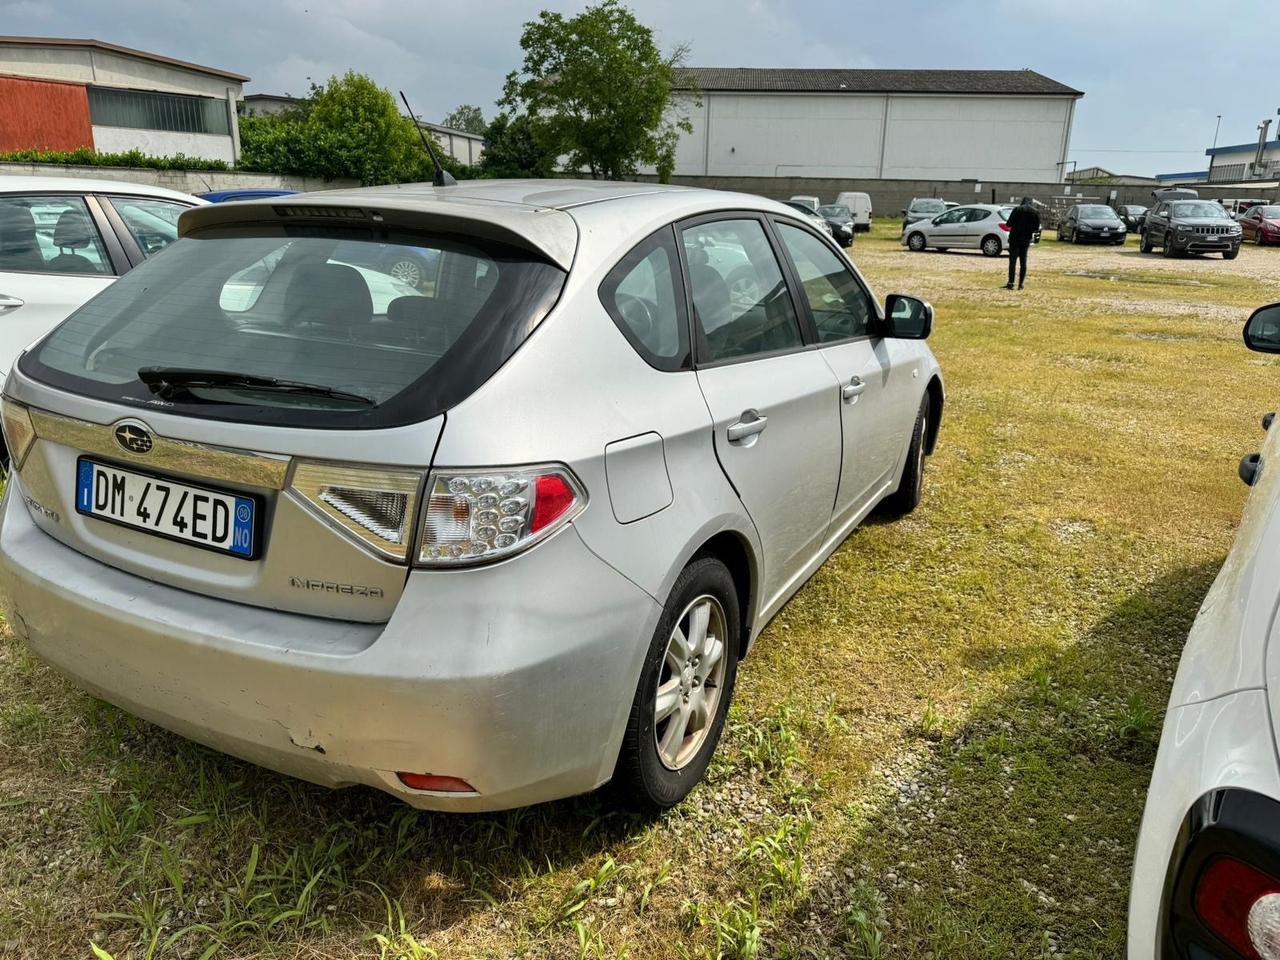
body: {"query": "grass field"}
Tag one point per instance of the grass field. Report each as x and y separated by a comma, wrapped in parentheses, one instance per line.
(939, 748)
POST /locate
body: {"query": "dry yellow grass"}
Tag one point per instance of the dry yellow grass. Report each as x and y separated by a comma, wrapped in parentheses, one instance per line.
(940, 747)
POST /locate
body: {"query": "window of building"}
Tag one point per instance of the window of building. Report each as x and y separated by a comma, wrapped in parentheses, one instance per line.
(157, 111)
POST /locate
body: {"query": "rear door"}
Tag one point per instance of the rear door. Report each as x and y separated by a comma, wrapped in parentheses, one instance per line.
(773, 399)
(54, 255)
(842, 313)
(978, 224)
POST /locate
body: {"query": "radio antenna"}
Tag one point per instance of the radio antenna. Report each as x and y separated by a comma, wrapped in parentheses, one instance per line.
(443, 177)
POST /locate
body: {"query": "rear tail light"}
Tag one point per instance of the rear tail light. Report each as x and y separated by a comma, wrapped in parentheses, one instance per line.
(1004, 227)
(19, 434)
(375, 508)
(1242, 906)
(435, 783)
(474, 516)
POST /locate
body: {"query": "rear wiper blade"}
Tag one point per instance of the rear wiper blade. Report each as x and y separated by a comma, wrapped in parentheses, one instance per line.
(164, 381)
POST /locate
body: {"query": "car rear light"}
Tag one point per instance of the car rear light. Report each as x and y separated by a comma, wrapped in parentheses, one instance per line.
(375, 508)
(474, 516)
(19, 434)
(435, 783)
(1242, 906)
(1004, 227)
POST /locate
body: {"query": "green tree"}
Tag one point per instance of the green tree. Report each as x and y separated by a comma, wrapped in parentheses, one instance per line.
(596, 89)
(348, 128)
(466, 118)
(512, 150)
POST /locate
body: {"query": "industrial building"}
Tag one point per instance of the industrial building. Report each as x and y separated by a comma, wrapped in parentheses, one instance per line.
(62, 94)
(874, 124)
(1241, 162)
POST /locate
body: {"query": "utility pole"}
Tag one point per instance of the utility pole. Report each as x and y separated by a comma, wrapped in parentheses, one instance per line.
(1212, 154)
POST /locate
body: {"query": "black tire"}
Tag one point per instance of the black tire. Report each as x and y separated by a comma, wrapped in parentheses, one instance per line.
(1231, 254)
(911, 488)
(1168, 248)
(916, 242)
(1075, 236)
(641, 780)
(1144, 242)
(1257, 238)
(991, 246)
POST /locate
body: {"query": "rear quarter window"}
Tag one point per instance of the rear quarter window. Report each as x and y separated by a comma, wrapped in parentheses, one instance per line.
(644, 294)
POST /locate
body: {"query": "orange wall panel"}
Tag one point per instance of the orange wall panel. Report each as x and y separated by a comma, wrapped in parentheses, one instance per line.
(43, 115)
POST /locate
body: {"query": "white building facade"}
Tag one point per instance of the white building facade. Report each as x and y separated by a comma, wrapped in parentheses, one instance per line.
(875, 124)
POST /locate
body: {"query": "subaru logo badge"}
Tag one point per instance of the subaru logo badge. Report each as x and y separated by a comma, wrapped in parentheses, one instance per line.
(134, 437)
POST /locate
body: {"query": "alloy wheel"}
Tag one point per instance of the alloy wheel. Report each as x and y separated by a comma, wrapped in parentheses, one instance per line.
(690, 682)
(406, 271)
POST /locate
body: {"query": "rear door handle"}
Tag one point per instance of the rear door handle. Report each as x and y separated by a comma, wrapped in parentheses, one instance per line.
(8, 303)
(750, 424)
(854, 387)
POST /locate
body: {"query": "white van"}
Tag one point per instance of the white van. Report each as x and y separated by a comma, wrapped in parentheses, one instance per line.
(859, 205)
(811, 202)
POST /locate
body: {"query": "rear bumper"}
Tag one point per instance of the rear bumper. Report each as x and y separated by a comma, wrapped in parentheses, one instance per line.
(1220, 744)
(515, 677)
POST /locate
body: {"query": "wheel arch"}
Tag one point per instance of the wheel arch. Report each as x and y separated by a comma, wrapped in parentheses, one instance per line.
(936, 399)
(999, 242)
(733, 550)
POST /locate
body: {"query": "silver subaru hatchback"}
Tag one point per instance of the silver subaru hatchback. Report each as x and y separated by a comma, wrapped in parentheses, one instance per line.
(494, 536)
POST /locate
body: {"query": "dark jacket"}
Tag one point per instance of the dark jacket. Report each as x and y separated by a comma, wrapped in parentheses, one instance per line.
(1023, 224)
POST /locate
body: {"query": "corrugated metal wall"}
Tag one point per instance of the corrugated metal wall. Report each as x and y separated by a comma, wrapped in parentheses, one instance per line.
(38, 114)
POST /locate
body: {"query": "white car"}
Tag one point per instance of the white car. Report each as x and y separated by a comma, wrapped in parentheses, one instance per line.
(63, 240)
(976, 226)
(1206, 877)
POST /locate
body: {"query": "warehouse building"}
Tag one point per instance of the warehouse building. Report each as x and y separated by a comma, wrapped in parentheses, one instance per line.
(875, 124)
(62, 94)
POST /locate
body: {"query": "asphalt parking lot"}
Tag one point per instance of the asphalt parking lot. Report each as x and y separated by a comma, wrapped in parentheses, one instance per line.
(940, 747)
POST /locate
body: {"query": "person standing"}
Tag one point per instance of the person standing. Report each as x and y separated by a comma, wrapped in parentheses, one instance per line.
(1024, 224)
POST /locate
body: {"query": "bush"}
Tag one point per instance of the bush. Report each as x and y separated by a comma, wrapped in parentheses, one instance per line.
(87, 157)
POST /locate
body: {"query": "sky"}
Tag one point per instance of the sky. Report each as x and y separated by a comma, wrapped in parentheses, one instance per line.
(1144, 111)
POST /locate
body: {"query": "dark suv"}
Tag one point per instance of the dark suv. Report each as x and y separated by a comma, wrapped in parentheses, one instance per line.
(1180, 226)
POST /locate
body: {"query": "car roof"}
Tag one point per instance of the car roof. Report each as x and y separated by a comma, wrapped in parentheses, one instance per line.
(15, 184)
(546, 215)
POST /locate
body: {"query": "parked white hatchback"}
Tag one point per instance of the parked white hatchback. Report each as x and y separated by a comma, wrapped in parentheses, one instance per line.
(63, 240)
(1206, 877)
(497, 539)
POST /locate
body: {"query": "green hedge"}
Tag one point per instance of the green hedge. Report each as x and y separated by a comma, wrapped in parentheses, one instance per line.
(86, 157)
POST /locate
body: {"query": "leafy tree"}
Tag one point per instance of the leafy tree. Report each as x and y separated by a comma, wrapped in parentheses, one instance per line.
(350, 127)
(466, 118)
(596, 89)
(512, 150)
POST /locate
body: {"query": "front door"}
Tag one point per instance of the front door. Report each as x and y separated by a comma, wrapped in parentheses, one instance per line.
(949, 228)
(773, 400)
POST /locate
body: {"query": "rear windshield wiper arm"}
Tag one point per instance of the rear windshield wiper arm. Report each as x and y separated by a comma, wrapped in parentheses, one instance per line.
(164, 381)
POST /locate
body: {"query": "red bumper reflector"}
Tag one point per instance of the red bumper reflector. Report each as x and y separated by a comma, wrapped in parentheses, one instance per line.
(437, 784)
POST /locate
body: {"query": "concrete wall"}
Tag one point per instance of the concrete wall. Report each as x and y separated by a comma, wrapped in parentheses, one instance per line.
(163, 143)
(886, 136)
(43, 115)
(188, 181)
(109, 69)
(889, 197)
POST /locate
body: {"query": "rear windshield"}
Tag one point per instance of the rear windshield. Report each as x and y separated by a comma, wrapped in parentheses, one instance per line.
(835, 210)
(366, 332)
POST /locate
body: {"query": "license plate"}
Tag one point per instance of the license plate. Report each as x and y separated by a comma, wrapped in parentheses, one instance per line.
(1106, 233)
(212, 519)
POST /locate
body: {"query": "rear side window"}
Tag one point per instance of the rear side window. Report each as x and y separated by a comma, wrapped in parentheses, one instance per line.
(742, 306)
(152, 223)
(320, 307)
(50, 234)
(645, 296)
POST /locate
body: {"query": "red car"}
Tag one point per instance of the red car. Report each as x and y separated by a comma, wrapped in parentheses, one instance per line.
(1261, 223)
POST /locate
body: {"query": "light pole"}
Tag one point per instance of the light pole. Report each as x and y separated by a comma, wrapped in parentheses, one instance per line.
(1216, 128)
(1213, 156)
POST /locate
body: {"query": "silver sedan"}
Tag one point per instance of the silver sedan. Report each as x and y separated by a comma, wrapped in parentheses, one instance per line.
(493, 538)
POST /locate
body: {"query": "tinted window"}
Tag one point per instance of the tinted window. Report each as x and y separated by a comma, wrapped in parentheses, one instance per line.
(740, 301)
(977, 214)
(50, 235)
(152, 223)
(276, 302)
(840, 307)
(953, 216)
(645, 297)
(1095, 211)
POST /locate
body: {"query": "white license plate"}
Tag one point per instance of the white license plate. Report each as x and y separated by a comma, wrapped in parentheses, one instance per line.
(225, 522)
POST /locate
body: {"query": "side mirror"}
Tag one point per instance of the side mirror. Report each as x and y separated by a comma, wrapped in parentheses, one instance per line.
(1262, 331)
(910, 318)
